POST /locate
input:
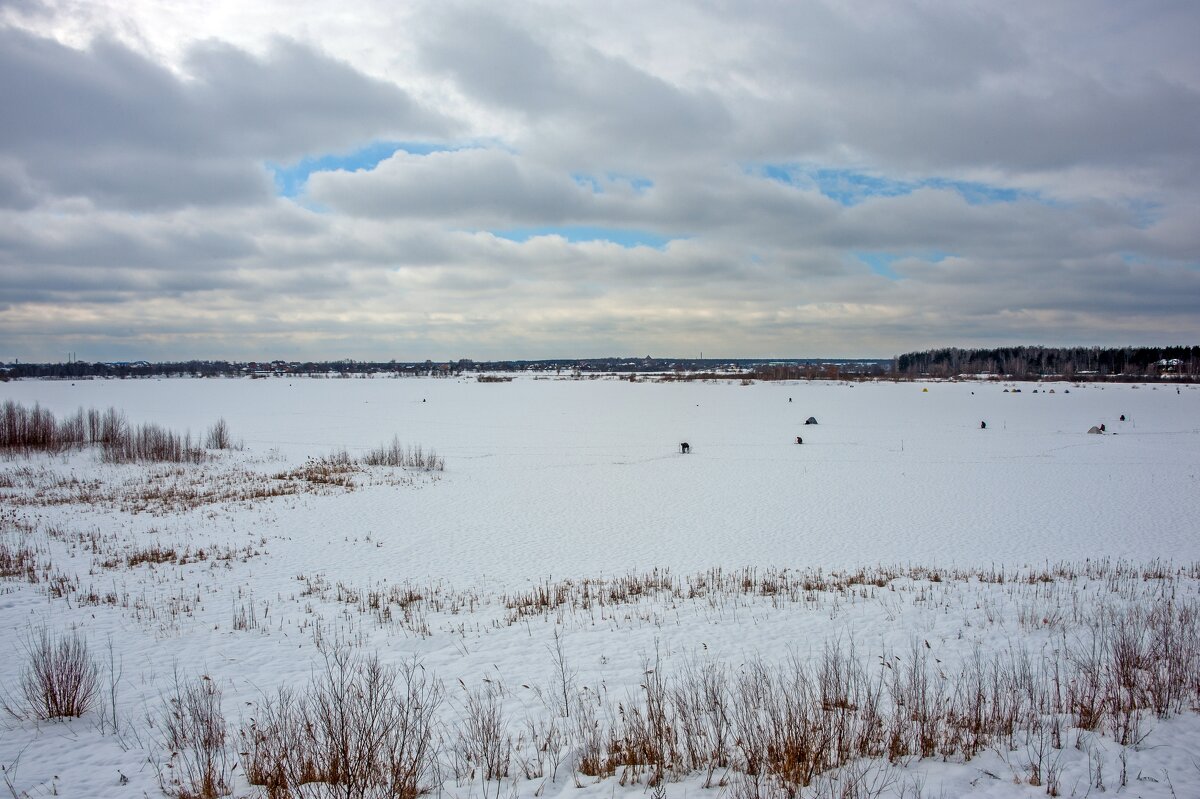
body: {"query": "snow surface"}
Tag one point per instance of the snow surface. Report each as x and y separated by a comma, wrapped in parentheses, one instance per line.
(553, 479)
(585, 477)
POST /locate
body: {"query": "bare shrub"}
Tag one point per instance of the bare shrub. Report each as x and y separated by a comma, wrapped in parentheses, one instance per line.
(151, 442)
(759, 786)
(24, 430)
(1086, 692)
(106, 427)
(646, 737)
(361, 730)
(194, 731)
(484, 743)
(539, 748)
(275, 752)
(858, 779)
(917, 692)
(37, 430)
(218, 437)
(1174, 662)
(30, 429)
(700, 700)
(60, 678)
(563, 678)
(590, 737)
(398, 455)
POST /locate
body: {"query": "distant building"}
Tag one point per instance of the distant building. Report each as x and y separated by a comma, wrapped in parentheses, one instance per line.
(1168, 365)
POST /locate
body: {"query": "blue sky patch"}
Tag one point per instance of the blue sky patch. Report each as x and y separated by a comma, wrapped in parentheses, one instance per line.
(881, 262)
(290, 179)
(625, 237)
(639, 184)
(1146, 213)
(1131, 258)
(588, 182)
(849, 187)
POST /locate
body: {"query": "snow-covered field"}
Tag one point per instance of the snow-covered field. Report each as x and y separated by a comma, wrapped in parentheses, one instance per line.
(568, 531)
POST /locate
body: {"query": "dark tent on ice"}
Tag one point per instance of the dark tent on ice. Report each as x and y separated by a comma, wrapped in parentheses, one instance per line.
(811, 420)
(1095, 430)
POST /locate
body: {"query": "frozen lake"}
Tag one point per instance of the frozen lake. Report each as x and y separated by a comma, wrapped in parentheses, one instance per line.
(558, 501)
(584, 477)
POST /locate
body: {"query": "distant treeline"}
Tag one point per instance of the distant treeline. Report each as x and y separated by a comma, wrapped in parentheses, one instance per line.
(1070, 363)
(776, 369)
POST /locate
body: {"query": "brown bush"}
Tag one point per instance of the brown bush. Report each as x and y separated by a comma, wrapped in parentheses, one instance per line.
(60, 678)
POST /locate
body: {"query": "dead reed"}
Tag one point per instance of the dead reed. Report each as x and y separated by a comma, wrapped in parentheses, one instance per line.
(397, 455)
(194, 732)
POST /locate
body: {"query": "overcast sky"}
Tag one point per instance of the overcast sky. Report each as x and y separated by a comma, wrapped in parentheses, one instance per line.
(411, 180)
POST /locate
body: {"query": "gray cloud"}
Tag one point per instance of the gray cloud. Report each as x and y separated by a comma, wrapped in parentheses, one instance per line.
(16, 189)
(476, 187)
(109, 124)
(495, 60)
(574, 94)
(296, 101)
(136, 216)
(24, 8)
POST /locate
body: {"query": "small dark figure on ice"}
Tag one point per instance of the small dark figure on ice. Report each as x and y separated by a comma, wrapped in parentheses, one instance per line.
(684, 448)
(1122, 417)
(983, 425)
(799, 440)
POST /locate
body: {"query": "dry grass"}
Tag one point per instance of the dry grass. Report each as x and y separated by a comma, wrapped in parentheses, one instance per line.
(194, 732)
(336, 470)
(178, 473)
(1122, 646)
(784, 726)
(18, 559)
(153, 554)
(783, 586)
(162, 489)
(483, 743)
(157, 489)
(1126, 650)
